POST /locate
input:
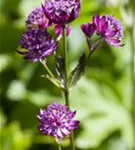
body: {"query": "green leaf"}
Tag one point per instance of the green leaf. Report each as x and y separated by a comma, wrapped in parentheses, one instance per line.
(76, 74)
(99, 115)
(60, 67)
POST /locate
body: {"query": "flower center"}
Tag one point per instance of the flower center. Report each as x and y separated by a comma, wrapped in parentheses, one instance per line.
(58, 123)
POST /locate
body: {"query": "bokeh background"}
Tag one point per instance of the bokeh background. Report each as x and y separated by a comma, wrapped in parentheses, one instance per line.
(102, 98)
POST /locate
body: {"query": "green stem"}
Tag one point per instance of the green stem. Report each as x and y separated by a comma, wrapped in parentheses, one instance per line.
(66, 95)
(47, 69)
(89, 56)
(66, 90)
(93, 46)
(72, 141)
(59, 147)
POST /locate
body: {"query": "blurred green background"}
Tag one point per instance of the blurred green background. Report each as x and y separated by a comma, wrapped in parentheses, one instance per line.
(102, 98)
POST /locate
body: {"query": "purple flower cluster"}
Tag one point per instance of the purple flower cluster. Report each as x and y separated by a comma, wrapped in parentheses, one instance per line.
(61, 11)
(39, 44)
(106, 27)
(37, 19)
(57, 121)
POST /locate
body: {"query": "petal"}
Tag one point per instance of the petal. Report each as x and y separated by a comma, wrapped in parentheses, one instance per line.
(105, 27)
(96, 20)
(114, 42)
(111, 33)
(59, 133)
(73, 125)
(65, 131)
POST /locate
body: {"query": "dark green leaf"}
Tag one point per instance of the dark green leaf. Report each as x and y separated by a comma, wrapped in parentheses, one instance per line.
(76, 74)
(60, 67)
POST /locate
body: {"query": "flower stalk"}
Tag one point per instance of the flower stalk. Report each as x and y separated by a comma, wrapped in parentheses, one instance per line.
(59, 147)
(47, 68)
(66, 90)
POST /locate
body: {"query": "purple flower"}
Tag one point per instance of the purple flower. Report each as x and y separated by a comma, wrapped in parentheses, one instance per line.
(61, 11)
(57, 121)
(109, 28)
(59, 30)
(88, 29)
(39, 44)
(37, 19)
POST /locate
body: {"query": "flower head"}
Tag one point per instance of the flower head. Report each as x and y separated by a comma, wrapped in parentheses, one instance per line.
(39, 44)
(37, 19)
(57, 121)
(109, 28)
(88, 29)
(61, 11)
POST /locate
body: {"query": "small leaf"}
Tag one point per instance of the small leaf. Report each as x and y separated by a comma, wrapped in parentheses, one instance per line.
(21, 50)
(76, 74)
(60, 67)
